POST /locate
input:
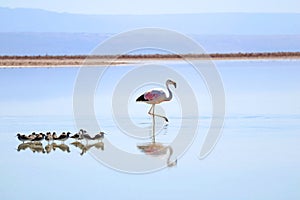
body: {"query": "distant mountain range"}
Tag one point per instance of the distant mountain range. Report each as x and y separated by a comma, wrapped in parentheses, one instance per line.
(40, 32)
(35, 20)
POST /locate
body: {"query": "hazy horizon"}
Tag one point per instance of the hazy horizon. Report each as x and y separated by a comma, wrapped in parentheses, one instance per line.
(37, 20)
(157, 7)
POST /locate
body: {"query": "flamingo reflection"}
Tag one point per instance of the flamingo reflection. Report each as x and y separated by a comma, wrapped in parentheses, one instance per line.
(158, 150)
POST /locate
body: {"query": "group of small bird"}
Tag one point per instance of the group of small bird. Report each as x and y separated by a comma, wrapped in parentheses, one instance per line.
(82, 134)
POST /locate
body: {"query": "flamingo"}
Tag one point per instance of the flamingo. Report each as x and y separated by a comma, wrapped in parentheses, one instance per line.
(156, 96)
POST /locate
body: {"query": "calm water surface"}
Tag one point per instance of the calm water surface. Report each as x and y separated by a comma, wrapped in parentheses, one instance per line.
(257, 157)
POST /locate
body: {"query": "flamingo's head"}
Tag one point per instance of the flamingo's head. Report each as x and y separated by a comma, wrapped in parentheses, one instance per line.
(171, 82)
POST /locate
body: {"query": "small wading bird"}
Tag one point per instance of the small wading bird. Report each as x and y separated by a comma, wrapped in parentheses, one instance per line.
(84, 135)
(22, 138)
(39, 137)
(48, 137)
(99, 136)
(156, 96)
(32, 136)
(76, 136)
(63, 137)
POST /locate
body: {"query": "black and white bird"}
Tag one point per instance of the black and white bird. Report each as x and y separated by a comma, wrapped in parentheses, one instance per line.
(32, 136)
(99, 136)
(39, 137)
(54, 136)
(63, 137)
(83, 135)
(48, 137)
(77, 136)
(22, 138)
(87, 136)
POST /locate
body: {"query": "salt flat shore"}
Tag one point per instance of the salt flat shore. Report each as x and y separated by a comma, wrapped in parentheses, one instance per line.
(101, 60)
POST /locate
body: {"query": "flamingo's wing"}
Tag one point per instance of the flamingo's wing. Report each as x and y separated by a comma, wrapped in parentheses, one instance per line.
(141, 98)
(151, 95)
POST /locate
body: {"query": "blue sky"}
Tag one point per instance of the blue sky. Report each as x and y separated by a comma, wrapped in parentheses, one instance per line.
(157, 6)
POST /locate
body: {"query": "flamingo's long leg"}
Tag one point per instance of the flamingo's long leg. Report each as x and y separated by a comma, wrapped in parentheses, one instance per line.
(153, 114)
(153, 124)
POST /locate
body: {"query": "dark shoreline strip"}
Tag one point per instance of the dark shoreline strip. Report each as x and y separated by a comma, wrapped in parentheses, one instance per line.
(159, 56)
(102, 60)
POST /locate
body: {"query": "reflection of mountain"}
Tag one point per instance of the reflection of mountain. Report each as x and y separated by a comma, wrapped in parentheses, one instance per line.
(158, 150)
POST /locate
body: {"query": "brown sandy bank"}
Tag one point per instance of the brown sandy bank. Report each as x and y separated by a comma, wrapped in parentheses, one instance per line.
(100, 60)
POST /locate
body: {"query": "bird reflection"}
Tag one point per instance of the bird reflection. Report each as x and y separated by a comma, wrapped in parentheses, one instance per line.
(34, 143)
(87, 147)
(48, 148)
(158, 150)
(63, 147)
(35, 147)
(24, 146)
(39, 148)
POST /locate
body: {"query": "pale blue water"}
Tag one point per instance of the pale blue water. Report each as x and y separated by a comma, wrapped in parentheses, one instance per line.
(257, 157)
(37, 43)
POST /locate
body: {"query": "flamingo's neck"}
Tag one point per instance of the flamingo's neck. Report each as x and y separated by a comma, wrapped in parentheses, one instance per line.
(170, 93)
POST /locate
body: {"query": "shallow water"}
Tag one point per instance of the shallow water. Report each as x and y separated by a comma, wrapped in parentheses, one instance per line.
(257, 156)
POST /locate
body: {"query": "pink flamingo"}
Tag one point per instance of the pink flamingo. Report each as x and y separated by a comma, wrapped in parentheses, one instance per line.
(156, 96)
